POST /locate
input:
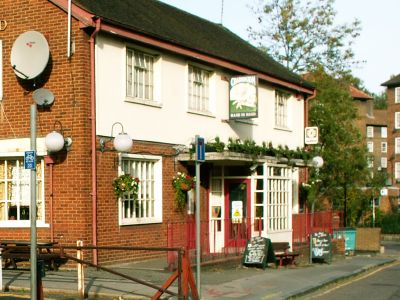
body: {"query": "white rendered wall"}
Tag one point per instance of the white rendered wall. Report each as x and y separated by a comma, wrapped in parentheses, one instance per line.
(170, 122)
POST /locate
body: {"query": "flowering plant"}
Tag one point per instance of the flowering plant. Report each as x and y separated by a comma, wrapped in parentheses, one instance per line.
(182, 183)
(126, 184)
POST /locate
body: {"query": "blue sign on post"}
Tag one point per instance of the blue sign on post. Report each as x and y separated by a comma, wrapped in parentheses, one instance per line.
(30, 160)
(200, 149)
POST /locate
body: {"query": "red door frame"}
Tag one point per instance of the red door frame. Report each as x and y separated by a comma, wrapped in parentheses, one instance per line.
(242, 230)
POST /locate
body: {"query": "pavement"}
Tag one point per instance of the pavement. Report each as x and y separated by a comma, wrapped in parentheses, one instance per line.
(227, 281)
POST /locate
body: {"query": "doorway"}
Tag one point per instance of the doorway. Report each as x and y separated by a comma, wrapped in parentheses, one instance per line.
(237, 212)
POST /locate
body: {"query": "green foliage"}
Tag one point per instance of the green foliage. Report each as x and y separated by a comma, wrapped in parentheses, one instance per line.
(345, 156)
(380, 100)
(390, 223)
(302, 35)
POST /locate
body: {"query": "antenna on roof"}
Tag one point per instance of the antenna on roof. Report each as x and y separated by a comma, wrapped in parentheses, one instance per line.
(222, 11)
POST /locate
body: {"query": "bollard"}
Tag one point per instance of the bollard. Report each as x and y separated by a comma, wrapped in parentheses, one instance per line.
(40, 274)
(81, 274)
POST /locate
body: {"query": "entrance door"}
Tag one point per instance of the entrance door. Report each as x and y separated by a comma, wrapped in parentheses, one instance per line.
(237, 212)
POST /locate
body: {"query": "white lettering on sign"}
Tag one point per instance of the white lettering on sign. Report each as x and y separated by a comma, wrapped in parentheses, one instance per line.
(3, 25)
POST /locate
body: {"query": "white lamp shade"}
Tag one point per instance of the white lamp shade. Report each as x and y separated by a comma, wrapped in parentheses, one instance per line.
(318, 162)
(54, 141)
(123, 142)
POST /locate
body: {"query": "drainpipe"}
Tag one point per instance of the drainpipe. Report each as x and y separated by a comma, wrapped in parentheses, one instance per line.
(50, 162)
(93, 137)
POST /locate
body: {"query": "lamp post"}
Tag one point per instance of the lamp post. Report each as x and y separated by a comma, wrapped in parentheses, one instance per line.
(317, 162)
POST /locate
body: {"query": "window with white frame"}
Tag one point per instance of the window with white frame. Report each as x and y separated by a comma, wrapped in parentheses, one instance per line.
(139, 75)
(397, 145)
(397, 120)
(383, 132)
(370, 162)
(370, 131)
(147, 206)
(397, 170)
(370, 146)
(397, 95)
(279, 195)
(384, 162)
(281, 109)
(15, 191)
(384, 147)
(199, 90)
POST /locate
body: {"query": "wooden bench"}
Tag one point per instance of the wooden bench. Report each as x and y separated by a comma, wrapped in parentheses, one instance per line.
(282, 253)
(20, 251)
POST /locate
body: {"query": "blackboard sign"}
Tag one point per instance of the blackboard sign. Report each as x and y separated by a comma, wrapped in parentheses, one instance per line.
(258, 252)
(321, 245)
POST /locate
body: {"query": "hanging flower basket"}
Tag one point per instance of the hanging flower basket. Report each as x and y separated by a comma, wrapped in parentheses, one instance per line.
(126, 184)
(182, 183)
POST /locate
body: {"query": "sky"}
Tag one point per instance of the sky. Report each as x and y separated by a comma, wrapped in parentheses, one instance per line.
(378, 45)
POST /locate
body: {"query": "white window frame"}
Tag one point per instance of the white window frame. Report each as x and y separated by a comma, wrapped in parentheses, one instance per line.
(370, 146)
(282, 110)
(22, 190)
(397, 145)
(148, 168)
(397, 120)
(279, 198)
(384, 147)
(199, 95)
(142, 80)
(384, 162)
(397, 95)
(370, 162)
(397, 170)
(370, 131)
(383, 132)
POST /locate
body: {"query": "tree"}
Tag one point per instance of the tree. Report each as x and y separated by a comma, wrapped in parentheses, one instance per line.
(345, 155)
(302, 35)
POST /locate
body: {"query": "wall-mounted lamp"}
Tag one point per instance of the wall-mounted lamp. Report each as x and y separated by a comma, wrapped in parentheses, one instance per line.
(55, 140)
(122, 142)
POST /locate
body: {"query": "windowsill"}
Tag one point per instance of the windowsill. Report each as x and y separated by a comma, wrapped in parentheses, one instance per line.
(282, 128)
(144, 222)
(143, 102)
(205, 114)
(21, 224)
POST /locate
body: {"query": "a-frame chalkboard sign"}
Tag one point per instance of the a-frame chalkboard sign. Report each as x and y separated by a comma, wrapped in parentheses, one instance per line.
(258, 252)
(321, 246)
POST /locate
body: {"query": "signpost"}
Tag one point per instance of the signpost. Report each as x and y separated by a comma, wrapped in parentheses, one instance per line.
(200, 157)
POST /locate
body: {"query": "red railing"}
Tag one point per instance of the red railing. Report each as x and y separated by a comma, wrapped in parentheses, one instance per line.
(305, 223)
(222, 238)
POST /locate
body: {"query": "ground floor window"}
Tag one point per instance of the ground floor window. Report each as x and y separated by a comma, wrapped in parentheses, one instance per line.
(147, 206)
(15, 190)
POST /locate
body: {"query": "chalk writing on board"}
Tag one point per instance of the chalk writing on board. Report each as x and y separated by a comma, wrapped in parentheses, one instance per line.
(321, 245)
(256, 250)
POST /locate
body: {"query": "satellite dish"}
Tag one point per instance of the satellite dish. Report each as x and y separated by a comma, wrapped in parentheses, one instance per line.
(30, 55)
(43, 97)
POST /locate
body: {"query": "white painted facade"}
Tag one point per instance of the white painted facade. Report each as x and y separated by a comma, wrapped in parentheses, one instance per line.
(173, 123)
(170, 121)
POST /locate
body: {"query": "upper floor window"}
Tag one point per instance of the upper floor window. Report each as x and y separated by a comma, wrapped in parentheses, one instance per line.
(397, 120)
(199, 92)
(397, 170)
(370, 146)
(370, 131)
(139, 75)
(397, 95)
(383, 132)
(383, 147)
(384, 162)
(397, 145)
(281, 109)
(147, 206)
(15, 191)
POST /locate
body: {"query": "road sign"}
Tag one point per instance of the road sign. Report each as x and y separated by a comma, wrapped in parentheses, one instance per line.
(200, 149)
(30, 160)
